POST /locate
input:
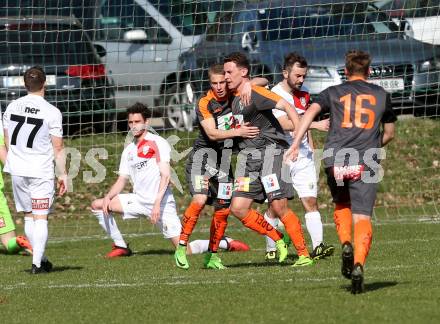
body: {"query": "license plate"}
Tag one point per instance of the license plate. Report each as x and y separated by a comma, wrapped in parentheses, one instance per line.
(18, 81)
(389, 85)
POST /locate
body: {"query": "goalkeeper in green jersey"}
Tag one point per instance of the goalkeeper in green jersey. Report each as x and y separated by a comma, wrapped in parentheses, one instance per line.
(10, 241)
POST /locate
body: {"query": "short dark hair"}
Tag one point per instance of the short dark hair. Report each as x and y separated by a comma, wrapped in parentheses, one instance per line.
(216, 69)
(140, 108)
(357, 63)
(294, 58)
(239, 59)
(34, 79)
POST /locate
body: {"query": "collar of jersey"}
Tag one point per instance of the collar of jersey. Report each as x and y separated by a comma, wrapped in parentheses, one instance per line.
(213, 94)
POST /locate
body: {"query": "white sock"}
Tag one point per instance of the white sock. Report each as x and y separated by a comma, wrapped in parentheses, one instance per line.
(270, 244)
(29, 229)
(110, 227)
(199, 246)
(223, 244)
(39, 240)
(314, 227)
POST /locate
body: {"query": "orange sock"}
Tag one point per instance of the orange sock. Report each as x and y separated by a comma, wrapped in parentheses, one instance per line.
(363, 235)
(218, 227)
(189, 221)
(293, 228)
(343, 221)
(256, 222)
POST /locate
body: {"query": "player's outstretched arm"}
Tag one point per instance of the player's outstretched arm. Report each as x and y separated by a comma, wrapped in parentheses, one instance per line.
(165, 171)
(246, 91)
(292, 115)
(304, 125)
(215, 134)
(388, 133)
(322, 125)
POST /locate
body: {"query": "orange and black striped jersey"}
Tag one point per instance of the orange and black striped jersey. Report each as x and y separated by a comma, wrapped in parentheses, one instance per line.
(210, 106)
(357, 109)
(259, 114)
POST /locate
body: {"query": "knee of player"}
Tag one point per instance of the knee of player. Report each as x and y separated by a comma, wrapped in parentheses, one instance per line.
(238, 211)
(200, 199)
(95, 205)
(310, 204)
(278, 209)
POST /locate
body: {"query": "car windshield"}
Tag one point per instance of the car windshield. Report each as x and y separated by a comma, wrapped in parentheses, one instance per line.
(323, 21)
(410, 8)
(191, 17)
(33, 43)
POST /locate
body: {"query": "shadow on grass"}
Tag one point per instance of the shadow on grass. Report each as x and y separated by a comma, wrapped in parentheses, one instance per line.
(257, 264)
(60, 269)
(372, 286)
(155, 252)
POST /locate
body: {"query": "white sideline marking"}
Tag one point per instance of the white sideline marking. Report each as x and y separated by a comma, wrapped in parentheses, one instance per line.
(23, 285)
(233, 278)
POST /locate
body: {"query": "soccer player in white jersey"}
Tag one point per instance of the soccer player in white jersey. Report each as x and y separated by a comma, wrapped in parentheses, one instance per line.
(34, 136)
(146, 163)
(302, 171)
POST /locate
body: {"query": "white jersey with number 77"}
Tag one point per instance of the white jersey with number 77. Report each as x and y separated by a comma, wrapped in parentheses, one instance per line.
(30, 121)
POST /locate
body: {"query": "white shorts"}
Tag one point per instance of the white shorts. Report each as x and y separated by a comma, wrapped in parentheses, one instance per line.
(304, 179)
(33, 194)
(134, 207)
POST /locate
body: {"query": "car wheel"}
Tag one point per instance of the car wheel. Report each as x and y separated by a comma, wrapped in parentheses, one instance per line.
(179, 111)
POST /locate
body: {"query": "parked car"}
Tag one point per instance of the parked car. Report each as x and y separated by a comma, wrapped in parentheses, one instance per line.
(76, 78)
(143, 40)
(323, 32)
(419, 18)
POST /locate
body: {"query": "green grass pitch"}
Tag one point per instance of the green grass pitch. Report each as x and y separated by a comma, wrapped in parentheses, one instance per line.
(402, 273)
(402, 283)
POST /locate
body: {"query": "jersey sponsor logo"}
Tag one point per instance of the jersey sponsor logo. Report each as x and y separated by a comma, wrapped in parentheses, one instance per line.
(238, 121)
(270, 183)
(225, 122)
(40, 203)
(225, 190)
(229, 121)
(348, 172)
(31, 110)
(2, 222)
(242, 184)
(141, 164)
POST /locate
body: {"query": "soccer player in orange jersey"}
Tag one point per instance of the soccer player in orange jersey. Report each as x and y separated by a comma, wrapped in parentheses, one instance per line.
(361, 123)
(208, 168)
(259, 174)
